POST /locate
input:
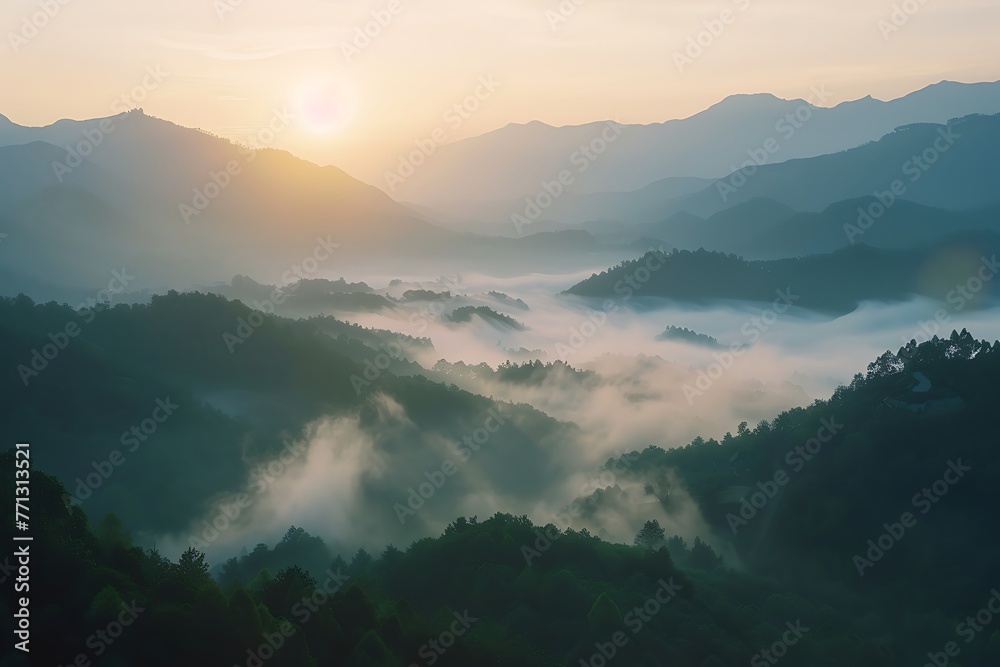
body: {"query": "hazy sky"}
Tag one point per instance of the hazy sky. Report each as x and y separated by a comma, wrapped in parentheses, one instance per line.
(226, 65)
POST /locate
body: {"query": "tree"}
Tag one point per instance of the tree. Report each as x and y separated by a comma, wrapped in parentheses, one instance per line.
(371, 651)
(702, 555)
(192, 564)
(651, 535)
(112, 533)
(886, 365)
(676, 546)
(289, 587)
(604, 615)
(391, 556)
(104, 606)
(243, 615)
(261, 581)
(361, 561)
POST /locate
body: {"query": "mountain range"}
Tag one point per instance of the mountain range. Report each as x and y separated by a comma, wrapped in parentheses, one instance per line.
(179, 206)
(512, 162)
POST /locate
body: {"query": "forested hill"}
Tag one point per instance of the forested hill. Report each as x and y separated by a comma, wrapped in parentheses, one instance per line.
(835, 282)
(807, 581)
(244, 386)
(496, 592)
(886, 490)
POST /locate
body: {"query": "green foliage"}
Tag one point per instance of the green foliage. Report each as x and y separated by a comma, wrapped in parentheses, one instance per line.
(112, 533)
(540, 595)
(464, 314)
(521, 614)
(835, 282)
(688, 336)
(371, 652)
(650, 536)
(604, 616)
(104, 607)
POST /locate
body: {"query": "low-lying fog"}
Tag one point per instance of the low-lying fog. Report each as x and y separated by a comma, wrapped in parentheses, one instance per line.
(353, 479)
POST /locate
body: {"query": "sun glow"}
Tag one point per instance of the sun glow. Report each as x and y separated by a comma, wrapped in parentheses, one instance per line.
(324, 106)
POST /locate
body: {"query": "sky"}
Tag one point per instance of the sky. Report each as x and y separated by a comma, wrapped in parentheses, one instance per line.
(360, 100)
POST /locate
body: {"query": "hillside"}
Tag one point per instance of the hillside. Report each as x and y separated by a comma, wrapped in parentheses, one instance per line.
(247, 388)
(837, 282)
(553, 595)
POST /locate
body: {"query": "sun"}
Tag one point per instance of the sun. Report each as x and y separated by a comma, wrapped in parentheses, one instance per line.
(324, 106)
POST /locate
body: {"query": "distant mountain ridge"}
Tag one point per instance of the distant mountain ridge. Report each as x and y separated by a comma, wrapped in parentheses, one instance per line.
(947, 165)
(79, 199)
(513, 161)
(834, 283)
(82, 198)
(183, 205)
(919, 183)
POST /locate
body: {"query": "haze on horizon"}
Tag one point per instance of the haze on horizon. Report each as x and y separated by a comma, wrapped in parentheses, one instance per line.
(226, 65)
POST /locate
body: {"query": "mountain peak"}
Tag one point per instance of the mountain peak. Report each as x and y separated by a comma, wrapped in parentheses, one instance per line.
(867, 99)
(746, 102)
(531, 124)
(947, 86)
(753, 96)
(945, 83)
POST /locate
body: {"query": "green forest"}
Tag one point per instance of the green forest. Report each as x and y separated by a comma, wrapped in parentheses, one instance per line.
(818, 568)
